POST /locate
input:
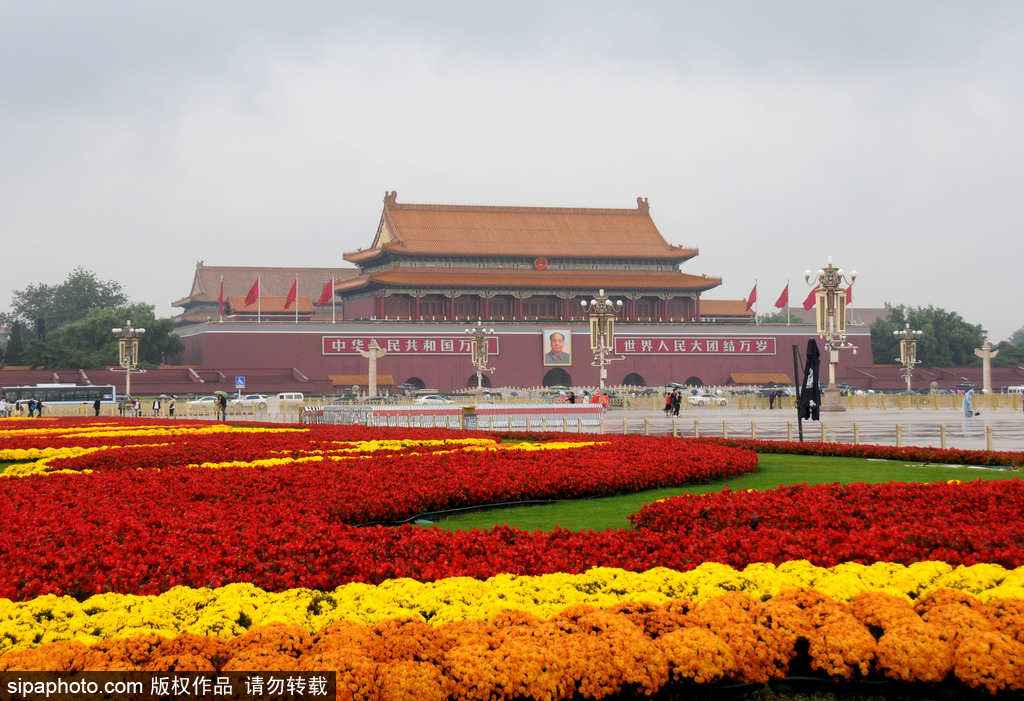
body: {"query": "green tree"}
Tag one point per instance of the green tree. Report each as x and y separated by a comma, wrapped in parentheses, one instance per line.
(44, 354)
(947, 340)
(89, 342)
(1010, 355)
(15, 352)
(44, 308)
(779, 318)
(1017, 337)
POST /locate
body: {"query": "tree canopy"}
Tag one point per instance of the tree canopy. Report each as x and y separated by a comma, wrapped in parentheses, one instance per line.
(71, 325)
(43, 308)
(947, 340)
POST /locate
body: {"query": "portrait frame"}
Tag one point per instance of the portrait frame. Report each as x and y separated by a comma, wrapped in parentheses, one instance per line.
(545, 347)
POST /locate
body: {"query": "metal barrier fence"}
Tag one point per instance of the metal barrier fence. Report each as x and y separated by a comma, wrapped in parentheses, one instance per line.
(564, 418)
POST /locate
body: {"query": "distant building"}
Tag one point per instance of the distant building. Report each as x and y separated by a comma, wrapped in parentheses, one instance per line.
(432, 269)
(202, 303)
(448, 262)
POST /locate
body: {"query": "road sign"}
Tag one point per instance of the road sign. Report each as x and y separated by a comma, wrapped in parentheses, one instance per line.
(239, 383)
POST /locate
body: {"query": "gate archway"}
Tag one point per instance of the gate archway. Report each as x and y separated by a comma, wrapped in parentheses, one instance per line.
(471, 382)
(417, 382)
(634, 379)
(556, 376)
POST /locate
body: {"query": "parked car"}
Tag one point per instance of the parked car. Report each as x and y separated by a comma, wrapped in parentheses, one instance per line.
(705, 399)
(203, 401)
(375, 400)
(433, 399)
(250, 400)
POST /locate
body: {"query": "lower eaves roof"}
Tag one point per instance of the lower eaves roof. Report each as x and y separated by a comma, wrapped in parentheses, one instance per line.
(445, 278)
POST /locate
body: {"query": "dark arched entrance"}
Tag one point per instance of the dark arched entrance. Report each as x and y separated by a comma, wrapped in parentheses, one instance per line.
(634, 379)
(557, 376)
(471, 382)
(694, 381)
(418, 383)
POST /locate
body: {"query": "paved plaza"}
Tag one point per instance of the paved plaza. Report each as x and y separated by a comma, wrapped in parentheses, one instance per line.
(999, 429)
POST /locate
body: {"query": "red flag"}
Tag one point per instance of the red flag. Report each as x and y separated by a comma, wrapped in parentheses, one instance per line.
(220, 297)
(292, 294)
(783, 299)
(849, 294)
(254, 294)
(809, 302)
(753, 297)
(327, 293)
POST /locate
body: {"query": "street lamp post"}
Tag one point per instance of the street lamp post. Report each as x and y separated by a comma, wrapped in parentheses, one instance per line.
(478, 351)
(128, 351)
(830, 314)
(602, 331)
(908, 351)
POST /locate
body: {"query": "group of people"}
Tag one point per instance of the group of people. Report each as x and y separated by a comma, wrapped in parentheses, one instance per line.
(34, 406)
(673, 401)
(134, 407)
(585, 398)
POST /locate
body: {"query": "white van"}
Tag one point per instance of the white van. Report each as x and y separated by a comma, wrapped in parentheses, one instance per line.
(291, 397)
(1015, 389)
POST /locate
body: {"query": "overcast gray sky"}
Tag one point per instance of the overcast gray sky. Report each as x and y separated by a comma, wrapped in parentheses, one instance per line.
(139, 137)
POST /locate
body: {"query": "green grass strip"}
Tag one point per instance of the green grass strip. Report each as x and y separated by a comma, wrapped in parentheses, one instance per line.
(773, 470)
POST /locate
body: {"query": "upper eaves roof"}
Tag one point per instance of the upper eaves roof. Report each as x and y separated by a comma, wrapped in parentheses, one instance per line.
(552, 232)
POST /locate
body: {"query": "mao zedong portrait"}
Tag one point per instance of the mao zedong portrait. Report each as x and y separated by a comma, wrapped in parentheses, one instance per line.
(559, 350)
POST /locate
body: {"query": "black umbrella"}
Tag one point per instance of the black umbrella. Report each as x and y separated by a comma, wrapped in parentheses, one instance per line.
(810, 392)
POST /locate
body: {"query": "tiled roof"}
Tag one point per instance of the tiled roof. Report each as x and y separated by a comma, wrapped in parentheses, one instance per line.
(552, 232)
(725, 307)
(269, 305)
(273, 281)
(445, 278)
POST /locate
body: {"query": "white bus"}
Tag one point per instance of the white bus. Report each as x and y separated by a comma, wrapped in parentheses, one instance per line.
(61, 394)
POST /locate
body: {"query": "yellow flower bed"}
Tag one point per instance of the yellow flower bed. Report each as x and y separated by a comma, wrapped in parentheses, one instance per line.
(221, 612)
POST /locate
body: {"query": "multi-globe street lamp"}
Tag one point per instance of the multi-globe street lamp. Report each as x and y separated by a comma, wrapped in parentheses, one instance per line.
(602, 331)
(478, 352)
(908, 351)
(830, 315)
(128, 351)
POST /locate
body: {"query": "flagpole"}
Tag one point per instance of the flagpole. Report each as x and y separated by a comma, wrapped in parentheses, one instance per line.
(296, 299)
(220, 300)
(333, 319)
(259, 305)
(787, 302)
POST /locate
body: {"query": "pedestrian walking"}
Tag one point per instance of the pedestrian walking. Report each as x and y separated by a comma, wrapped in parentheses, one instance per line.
(968, 405)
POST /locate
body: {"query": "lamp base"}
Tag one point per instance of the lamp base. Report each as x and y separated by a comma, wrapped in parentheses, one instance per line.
(831, 401)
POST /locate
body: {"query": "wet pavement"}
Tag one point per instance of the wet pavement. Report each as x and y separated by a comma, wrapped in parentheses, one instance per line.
(998, 429)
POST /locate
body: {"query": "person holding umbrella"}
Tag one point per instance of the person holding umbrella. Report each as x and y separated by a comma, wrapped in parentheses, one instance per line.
(222, 404)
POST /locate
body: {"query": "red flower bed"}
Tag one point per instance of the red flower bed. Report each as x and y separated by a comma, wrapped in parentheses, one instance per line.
(963, 523)
(143, 531)
(103, 540)
(911, 453)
